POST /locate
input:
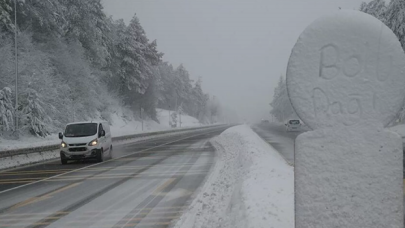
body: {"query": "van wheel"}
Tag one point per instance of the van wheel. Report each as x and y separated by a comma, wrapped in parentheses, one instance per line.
(100, 155)
(63, 160)
(111, 150)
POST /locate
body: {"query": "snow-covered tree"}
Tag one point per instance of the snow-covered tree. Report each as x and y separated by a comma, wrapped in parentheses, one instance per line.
(281, 105)
(198, 101)
(393, 16)
(74, 62)
(33, 115)
(395, 19)
(6, 12)
(377, 8)
(213, 110)
(6, 110)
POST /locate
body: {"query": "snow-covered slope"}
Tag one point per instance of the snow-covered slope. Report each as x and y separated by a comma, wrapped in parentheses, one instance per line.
(121, 125)
(250, 185)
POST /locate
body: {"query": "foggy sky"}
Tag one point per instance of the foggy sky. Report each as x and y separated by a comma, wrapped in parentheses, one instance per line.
(239, 47)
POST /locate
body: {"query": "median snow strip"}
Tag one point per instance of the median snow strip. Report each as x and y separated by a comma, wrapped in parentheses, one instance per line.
(250, 185)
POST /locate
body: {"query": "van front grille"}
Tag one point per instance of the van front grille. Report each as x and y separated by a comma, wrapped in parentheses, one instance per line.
(80, 144)
(77, 149)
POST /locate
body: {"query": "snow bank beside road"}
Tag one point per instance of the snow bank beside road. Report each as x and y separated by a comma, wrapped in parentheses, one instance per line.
(250, 185)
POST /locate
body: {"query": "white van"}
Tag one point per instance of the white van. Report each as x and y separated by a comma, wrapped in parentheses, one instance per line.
(293, 125)
(85, 140)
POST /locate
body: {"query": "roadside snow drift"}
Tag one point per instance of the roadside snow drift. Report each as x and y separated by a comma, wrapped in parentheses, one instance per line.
(250, 185)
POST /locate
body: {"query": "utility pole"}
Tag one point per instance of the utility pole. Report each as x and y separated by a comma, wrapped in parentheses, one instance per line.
(180, 117)
(169, 117)
(16, 68)
(177, 106)
(142, 117)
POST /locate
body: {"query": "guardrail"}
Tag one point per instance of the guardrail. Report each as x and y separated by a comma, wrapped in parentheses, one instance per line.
(15, 152)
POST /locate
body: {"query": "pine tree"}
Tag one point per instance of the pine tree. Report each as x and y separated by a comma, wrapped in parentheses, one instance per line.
(377, 8)
(6, 10)
(281, 105)
(6, 110)
(167, 90)
(45, 19)
(395, 19)
(33, 115)
(73, 60)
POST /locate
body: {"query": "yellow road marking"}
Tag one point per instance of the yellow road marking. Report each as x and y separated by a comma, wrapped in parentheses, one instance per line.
(163, 186)
(20, 179)
(26, 219)
(82, 218)
(133, 167)
(64, 188)
(31, 173)
(44, 197)
(29, 201)
(107, 176)
(126, 225)
(101, 169)
(173, 208)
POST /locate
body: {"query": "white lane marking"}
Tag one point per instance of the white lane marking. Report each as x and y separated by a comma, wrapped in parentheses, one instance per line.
(21, 186)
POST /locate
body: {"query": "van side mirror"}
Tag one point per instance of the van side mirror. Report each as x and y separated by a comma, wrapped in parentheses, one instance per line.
(60, 135)
(102, 133)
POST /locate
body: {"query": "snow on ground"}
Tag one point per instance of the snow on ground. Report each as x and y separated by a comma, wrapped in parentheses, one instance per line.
(399, 129)
(26, 159)
(250, 185)
(119, 126)
(186, 121)
(26, 141)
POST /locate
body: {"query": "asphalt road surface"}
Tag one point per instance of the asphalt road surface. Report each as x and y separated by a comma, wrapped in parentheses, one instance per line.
(278, 138)
(145, 184)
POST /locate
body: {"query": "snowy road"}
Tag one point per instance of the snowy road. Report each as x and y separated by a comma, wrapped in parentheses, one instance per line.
(277, 137)
(147, 188)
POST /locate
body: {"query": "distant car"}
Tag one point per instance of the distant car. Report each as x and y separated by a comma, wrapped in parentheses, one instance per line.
(85, 140)
(293, 125)
(265, 121)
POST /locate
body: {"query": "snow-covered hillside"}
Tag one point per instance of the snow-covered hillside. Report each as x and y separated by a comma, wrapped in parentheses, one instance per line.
(121, 124)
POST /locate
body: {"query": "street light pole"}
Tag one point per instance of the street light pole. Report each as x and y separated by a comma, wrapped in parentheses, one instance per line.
(16, 68)
(141, 117)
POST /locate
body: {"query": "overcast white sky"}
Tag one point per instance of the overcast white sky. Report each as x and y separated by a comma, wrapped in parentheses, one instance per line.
(239, 47)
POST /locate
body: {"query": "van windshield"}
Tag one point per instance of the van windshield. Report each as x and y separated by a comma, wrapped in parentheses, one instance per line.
(294, 122)
(81, 130)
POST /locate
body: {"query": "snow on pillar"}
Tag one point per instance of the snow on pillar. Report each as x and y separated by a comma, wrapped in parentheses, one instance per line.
(346, 80)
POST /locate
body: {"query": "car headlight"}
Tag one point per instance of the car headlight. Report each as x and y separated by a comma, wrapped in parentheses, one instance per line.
(63, 145)
(93, 143)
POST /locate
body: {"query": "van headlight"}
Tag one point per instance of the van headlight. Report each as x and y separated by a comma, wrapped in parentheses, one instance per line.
(63, 145)
(93, 143)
